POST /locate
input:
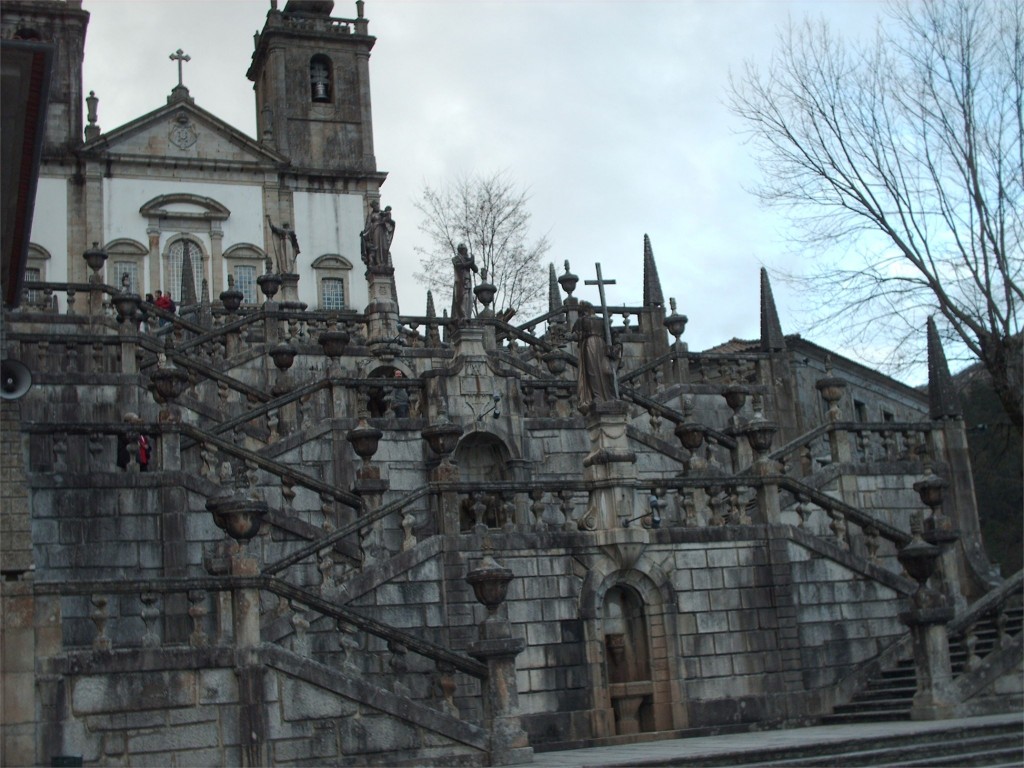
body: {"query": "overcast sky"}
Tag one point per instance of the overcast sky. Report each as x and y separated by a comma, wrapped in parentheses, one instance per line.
(612, 114)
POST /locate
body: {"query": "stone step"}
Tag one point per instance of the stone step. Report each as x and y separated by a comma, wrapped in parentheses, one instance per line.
(954, 750)
(990, 745)
(893, 690)
(1007, 755)
(888, 692)
(866, 716)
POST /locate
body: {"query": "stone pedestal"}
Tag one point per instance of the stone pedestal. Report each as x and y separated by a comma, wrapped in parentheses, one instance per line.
(935, 699)
(289, 287)
(252, 730)
(382, 311)
(509, 742)
(469, 341)
(929, 613)
(609, 467)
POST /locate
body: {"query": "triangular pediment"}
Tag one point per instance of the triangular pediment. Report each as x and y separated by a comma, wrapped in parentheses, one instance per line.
(181, 132)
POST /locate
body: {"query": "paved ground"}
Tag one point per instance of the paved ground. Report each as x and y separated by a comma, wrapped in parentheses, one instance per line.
(653, 752)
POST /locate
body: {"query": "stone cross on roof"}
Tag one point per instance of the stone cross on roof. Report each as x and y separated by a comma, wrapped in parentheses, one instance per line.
(181, 57)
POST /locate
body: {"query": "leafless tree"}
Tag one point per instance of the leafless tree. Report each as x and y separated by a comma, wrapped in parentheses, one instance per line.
(489, 215)
(902, 161)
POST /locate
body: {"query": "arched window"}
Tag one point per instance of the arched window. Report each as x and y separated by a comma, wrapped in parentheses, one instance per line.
(245, 263)
(126, 257)
(320, 78)
(184, 269)
(332, 276)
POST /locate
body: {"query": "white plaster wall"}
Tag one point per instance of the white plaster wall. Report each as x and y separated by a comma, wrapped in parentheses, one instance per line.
(122, 199)
(50, 225)
(329, 223)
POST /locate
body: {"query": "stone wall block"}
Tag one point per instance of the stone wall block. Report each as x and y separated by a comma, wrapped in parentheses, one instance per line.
(146, 690)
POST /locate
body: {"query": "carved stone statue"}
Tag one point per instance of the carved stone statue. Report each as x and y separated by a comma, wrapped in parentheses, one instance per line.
(375, 239)
(285, 239)
(462, 293)
(595, 383)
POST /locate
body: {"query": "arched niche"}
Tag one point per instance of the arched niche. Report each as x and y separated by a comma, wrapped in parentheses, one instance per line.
(382, 401)
(484, 457)
(627, 660)
(635, 685)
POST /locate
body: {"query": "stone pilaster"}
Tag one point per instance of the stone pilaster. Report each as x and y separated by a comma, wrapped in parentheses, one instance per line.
(248, 670)
(216, 259)
(609, 467)
(154, 259)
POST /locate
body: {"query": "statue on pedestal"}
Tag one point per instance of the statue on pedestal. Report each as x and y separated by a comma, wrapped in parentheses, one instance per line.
(462, 292)
(285, 239)
(375, 239)
(596, 382)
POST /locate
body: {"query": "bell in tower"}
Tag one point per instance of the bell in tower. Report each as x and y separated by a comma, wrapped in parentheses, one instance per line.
(311, 75)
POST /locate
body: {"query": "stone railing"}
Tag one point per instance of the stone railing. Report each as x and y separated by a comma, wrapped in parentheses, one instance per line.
(201, 612)
(726, 368)
(854, 443)
(994, 607)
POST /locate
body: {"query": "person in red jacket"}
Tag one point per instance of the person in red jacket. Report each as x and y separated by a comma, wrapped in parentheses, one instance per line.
(163, 301)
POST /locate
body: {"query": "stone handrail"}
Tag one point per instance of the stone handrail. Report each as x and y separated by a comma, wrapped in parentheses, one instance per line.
(826, 502)
(283, 471)
(991, 601)
(163, 586)
(859, 431)
(366, 518)
(674, 416)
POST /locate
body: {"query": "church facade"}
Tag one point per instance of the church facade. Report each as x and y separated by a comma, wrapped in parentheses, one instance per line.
(271, 529)
(178, 186)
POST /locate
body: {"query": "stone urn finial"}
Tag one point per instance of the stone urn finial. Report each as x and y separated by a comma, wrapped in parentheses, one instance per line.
(232, 297)
(675, 323)
(485, 291)
(831, 389)
(334, 342)
(239, 517)
(442, 437)
(95, 257)
(167, 382)
(568, 281)
(269, 283)
(489, 581)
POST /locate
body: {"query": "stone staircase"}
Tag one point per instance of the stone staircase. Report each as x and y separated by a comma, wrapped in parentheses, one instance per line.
(889, 695)
(997, 745)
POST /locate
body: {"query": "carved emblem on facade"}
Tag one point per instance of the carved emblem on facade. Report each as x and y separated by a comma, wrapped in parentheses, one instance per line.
(182, 134)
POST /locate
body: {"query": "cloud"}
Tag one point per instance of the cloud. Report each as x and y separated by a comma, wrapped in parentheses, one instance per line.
(611, 113)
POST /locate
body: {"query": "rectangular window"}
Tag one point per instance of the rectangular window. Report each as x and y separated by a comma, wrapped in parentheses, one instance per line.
(333, 293)
(861, 411)
(130, 268)
(245, 281)
(35, 275)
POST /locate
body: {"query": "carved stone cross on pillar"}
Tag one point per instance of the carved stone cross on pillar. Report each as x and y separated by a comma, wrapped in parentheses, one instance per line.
(601, 283)
(181, 57)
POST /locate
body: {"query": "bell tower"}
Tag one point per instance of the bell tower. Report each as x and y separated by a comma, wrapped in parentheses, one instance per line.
(311, 75)
(63, 25)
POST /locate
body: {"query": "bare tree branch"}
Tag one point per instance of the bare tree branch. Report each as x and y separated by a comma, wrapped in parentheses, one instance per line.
(489, 215)
(908, 151)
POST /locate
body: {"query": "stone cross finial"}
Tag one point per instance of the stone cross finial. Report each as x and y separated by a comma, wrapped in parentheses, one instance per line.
(181, 57)
(601, 283)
